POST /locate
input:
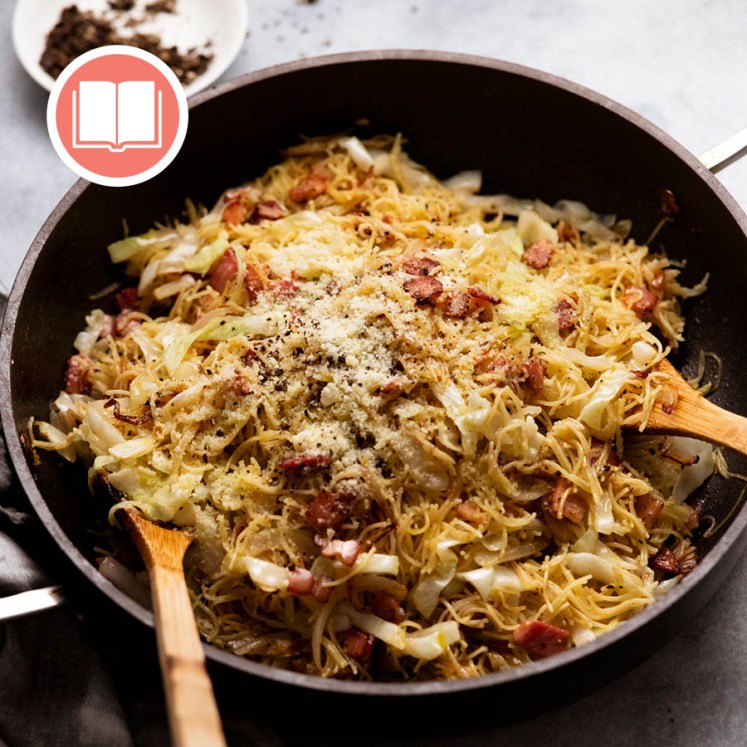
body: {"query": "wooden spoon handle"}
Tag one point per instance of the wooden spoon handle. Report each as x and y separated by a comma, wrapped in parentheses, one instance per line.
(194, 720)
(698, 418)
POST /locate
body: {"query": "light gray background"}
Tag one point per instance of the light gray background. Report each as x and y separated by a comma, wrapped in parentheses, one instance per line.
(680, 63)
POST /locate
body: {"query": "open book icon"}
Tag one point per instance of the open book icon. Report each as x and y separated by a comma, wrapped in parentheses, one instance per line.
(117, 116)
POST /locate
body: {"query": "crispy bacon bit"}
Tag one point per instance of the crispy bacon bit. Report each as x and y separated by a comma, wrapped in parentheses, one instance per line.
(224, 271)
(359, 645)
(456, 305)
(420, 266)
(669, 207)
(285, 288)
(320, 588)
(234, 213)
(639, 374)
(538, 256)
(469, 511)
(639, 299)
(108, 326)
(567, 232)
(327, 510)
(535, 374)
(77, 376)
(668, 399)
(395, 386)
(566, 314)
(425, 290)
(687, 558)
(241, 385)
(269, 210)
(665, 562)
(239, 205)
(480, 295)
(648, 507)
(562, 503)
(541, 640)
(596, 451)
(125, 322)
(308, 188)
(253, 282)
(127, 299)
(131, 419)
(306, 460)
(346, 551)
(388, 608)
(301, 581)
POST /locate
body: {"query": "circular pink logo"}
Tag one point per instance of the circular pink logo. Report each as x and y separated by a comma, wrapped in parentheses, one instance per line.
(117, 116)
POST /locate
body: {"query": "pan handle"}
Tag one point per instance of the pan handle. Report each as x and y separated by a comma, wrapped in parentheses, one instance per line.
(725, 153)
(30, 602)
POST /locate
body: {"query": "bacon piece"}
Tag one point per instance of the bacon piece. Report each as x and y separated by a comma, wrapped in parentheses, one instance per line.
(535, 374)
(573, 508)
(301, 581)
(480, 295)
(285, 288)
(469, 511)
(239, 205)
(395, 385)
(648, 507)
(359, 645)
(320, 588)
(538, 256)
(639, 299)
(566, 314)
(388, 608)
(131, 419)
(566, 231)
(327, 510)
(665, 562)
(305, 460)
(77, 376)
(224, 271)
(253, 281)
(541, 640)
(597, 448)
(234, 213)
(346, 551)
(308, 188)
(269, 210)
(456, 306)
(125, 322)
(425, 290)
(108, 326)
(669, 207)
(687, 559)
(420, 266)
(127, 299)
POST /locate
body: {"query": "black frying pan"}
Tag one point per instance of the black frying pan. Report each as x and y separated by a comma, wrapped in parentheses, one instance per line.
(533, 135)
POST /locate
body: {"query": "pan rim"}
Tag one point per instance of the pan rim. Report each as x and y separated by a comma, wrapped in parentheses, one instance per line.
(314, 682)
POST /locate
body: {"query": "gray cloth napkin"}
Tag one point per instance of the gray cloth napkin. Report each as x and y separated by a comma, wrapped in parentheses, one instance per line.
(72, 682)
(54, 687)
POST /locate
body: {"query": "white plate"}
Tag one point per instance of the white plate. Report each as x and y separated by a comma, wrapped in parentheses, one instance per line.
(195, 22)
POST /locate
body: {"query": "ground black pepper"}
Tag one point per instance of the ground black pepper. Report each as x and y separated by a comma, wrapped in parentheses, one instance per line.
(77, 32)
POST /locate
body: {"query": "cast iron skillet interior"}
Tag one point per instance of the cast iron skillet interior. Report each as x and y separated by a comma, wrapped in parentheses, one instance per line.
(532, 135)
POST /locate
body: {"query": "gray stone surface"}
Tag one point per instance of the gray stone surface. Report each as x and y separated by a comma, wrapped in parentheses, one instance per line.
(682, 64)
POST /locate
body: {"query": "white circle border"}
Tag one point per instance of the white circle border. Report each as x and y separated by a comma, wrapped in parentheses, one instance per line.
(133, 179)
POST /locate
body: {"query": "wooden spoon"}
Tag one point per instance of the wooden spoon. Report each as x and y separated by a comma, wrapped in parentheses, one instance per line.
(194, 720)
(679, 410)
